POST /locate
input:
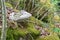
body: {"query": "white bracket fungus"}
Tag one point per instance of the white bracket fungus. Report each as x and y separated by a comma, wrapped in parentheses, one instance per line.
(19, 16)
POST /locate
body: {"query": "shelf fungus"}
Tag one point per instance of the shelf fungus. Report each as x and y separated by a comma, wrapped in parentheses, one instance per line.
(20, 16)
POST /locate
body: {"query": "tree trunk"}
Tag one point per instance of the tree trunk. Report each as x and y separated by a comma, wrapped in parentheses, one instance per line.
(4, 22)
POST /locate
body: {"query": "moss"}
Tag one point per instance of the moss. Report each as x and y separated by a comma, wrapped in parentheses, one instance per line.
(14, 34)
(10, 34)
(22, 32)
(30, 25)
(8, 5)
(38, 22)
(57, 30)
(52, 36)
(33, 32)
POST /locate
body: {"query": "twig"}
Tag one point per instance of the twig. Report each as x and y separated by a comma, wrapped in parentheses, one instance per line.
(17, 4)
(45, 14)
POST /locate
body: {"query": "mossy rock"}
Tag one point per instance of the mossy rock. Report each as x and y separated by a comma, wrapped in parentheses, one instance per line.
(52, 36)
(14, 34)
